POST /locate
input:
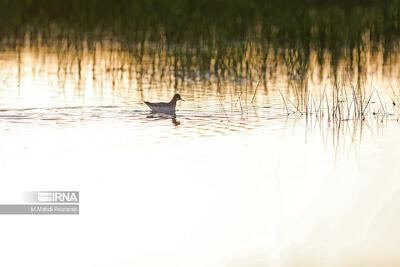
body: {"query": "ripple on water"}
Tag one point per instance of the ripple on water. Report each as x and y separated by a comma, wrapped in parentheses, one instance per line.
(194, 122)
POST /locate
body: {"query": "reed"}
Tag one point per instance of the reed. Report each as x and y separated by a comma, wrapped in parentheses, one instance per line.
(346, 103)
(222, 37)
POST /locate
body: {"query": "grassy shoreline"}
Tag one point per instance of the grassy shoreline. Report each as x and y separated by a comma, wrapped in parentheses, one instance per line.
(218, 36)
(287, 22)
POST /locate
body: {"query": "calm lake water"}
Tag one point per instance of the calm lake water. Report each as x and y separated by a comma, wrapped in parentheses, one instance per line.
(231, 180)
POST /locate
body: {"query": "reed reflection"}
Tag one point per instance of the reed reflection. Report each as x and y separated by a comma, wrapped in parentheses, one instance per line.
(247, 92)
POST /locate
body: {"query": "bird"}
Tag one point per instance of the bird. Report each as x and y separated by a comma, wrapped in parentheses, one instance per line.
(165, 107)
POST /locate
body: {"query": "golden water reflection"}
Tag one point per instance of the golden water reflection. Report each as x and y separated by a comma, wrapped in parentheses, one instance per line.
(231, 180)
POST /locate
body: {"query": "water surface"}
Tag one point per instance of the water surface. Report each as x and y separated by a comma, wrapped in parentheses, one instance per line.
(238, 177)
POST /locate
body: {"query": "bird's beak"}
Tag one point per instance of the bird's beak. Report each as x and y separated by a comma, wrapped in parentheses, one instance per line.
(182, 100)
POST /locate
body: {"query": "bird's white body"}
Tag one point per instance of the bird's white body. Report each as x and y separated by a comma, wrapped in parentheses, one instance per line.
(164, 107)
(156, 107)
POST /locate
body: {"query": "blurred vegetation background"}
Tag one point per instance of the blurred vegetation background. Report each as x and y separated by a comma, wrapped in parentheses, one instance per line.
(212, 34)
(288, 22)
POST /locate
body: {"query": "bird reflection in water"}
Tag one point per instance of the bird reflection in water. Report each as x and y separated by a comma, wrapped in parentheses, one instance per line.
(164, 116)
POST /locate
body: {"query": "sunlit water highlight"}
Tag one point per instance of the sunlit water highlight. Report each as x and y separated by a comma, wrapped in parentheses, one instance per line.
(231, 180)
